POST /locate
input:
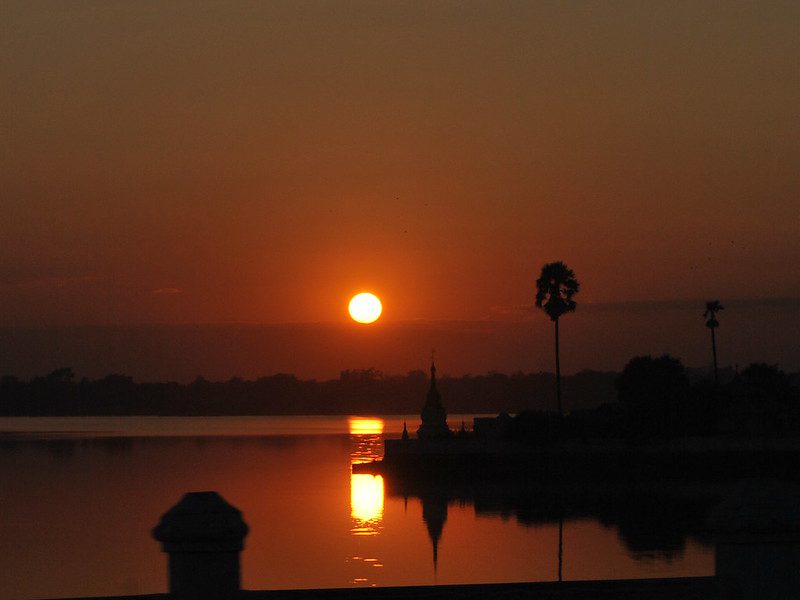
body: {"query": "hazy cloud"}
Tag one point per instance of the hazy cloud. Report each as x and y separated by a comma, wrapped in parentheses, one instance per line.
(522, 310)
(47, 282)
(512, 310)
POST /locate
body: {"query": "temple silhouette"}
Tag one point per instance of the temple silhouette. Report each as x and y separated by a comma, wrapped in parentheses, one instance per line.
(436, 446)
(434, 417)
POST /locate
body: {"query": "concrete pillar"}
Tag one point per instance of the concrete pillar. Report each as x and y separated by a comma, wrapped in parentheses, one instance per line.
(203, 536)
(757, 535)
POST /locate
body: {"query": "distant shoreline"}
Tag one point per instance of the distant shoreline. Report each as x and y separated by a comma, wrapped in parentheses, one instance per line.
(354, 392)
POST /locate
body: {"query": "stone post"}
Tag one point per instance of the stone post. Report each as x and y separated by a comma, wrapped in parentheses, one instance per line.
(757, 535)
(203, 536)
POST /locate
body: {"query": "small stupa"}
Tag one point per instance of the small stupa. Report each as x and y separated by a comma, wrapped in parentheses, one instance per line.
(434, 418)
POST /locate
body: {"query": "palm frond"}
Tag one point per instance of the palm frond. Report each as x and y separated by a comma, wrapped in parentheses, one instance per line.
(712, 308)
(555, 288)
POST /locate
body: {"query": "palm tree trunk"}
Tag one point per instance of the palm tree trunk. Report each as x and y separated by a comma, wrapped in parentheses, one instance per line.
(714, 351)
(558, 374)
(560, 547)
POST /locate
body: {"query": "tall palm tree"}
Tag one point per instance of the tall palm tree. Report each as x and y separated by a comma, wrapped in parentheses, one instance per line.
(554, 291)
(712, 308)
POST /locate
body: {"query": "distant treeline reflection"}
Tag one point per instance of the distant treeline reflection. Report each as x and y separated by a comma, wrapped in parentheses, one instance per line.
(651, 521)
(67, 447)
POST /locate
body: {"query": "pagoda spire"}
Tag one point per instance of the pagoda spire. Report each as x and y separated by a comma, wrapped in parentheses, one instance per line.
(434, 416)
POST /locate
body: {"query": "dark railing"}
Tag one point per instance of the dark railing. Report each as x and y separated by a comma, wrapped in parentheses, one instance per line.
(756, 529)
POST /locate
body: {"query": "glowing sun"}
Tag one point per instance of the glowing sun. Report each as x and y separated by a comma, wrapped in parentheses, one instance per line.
(365, 308)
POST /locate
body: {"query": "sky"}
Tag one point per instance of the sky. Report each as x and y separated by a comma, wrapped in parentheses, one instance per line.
(258, 163)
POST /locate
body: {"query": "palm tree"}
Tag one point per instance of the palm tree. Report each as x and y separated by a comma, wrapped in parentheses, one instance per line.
(712, 308)
(554, 291)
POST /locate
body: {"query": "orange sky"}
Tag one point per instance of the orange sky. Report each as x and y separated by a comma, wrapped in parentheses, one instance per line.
(261, 162)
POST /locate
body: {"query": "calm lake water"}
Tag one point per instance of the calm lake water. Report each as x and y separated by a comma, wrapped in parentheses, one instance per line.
(79, 497)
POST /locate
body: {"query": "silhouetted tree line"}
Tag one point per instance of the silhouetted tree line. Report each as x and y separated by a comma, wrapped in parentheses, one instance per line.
(652, 399)
(657, 400)
(356, 391)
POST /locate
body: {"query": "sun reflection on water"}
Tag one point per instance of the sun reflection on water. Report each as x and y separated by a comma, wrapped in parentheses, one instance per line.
(366, 491)
(364, 426)
(366, 503)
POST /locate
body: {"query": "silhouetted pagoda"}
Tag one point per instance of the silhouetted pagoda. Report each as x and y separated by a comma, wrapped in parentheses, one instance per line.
(434, 417)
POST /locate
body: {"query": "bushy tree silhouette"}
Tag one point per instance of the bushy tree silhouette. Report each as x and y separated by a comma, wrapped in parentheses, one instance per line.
(554, 291)
(769, 380)
(712, 308)
(654, 392)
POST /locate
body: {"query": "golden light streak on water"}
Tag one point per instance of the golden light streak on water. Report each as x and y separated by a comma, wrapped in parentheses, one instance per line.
(366, 491)
(366, 503)
(365, 426)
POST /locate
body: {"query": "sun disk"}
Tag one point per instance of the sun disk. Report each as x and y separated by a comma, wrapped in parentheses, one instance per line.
(365, 308)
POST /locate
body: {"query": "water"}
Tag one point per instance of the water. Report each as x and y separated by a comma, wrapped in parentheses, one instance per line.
(79, 497)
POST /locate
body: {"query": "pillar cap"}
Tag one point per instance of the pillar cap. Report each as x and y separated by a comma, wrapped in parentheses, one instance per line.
(201, 522)
(759, 506)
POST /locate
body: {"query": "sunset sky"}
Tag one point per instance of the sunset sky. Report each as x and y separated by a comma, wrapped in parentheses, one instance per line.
(203, 163)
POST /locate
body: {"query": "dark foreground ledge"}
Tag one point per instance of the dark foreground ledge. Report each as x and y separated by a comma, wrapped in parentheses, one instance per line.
(686, 588)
